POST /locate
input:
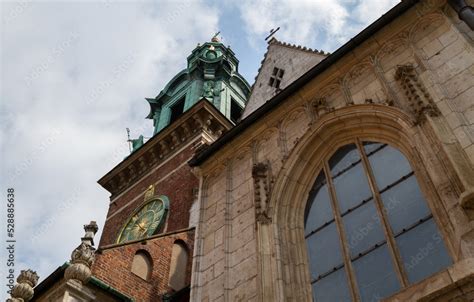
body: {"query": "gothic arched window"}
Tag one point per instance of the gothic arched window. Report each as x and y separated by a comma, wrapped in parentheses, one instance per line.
(368, 228)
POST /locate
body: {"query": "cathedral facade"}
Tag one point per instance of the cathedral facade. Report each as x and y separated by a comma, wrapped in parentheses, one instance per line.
(334, 177)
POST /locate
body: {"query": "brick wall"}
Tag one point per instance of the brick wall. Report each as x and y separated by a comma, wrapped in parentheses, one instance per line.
(113, 266)
(173, 179)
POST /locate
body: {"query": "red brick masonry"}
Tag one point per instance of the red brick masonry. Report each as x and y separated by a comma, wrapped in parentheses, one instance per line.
(113, 266)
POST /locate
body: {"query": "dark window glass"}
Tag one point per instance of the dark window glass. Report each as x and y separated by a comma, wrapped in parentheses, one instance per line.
(276, 77)
(235, 111)
(319, 211)
(363, 229)
(176, 110)
(281, 73)
(271, 81)
(324, 251)
(376, 277)
(404, 204)
(345, 157)
(423, 251)
(388, 165)
(405, 215)
(349, 178)
(333, 287)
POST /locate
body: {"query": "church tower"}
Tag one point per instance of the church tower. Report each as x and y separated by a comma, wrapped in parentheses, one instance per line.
(147, 242)
(212, 74)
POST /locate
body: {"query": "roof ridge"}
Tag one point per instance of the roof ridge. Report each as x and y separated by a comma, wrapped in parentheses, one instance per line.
(274, 40)
(299, 47)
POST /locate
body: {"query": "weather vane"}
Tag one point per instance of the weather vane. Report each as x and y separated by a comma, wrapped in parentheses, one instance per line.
(272, 32)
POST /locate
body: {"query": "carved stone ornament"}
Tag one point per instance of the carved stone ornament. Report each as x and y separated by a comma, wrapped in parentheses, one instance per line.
(23, 290)
(83, 256)
(150, 192)
(82, 259)
(321, 106)
(419, 100)
(262, 188)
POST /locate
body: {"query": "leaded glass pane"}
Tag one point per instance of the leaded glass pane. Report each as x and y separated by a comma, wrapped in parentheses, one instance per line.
(343, 159)
(363, 228)
(423, 251)
(376, 277)
(349, 178)
(324, 251)
(320, 211)
(404, 204)
(388, 164)
(333, 287)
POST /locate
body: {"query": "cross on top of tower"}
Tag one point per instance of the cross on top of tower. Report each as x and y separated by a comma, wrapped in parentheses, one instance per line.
(215, 38)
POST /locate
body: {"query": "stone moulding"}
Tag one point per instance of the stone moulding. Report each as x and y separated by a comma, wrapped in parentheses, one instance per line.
(202, 119)
(289, 193)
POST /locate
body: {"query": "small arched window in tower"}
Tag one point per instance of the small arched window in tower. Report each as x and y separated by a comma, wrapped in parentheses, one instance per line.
(368, 228)
(178, 266)
(142, 265)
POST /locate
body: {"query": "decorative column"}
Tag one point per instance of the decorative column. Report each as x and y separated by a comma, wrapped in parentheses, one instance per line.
(83, 256)
(23, 290)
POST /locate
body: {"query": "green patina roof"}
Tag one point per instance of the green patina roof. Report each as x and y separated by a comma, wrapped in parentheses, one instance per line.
(212, 73)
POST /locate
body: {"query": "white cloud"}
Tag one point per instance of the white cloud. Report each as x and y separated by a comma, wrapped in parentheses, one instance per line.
(73, 76)
(314, 23)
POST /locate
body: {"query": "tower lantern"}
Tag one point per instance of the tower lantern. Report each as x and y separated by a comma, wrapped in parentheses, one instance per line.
(211, 73)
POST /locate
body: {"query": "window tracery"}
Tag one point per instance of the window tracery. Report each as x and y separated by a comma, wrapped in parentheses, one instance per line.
(368, 228)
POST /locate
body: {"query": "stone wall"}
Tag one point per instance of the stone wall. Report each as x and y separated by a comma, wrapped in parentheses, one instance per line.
(250, 243)
(293, 59)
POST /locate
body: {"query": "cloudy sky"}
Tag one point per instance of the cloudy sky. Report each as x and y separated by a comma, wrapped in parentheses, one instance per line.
(74, 75)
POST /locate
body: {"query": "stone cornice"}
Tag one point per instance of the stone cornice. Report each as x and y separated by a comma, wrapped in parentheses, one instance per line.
(144, 240)
(201, 119)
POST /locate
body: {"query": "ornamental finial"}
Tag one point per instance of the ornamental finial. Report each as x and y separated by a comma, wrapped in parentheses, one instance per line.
(83, 256)
(23, 290)
(215, 38)
(90, 230)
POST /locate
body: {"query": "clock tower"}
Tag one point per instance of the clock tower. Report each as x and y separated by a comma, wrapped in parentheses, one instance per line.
(147, 243)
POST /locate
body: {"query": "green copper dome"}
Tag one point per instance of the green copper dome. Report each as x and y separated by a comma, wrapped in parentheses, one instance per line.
(211, 73)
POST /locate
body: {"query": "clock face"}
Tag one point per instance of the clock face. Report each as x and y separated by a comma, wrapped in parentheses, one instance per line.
(144, 222)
